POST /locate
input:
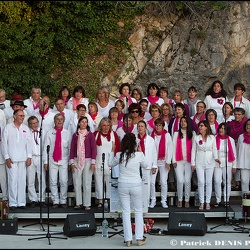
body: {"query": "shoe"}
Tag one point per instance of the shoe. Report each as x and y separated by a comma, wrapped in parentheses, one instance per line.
(22, 207)
(12, 208)
(201, 207)
(55, 206)
(87, 208)
(64, 206)
(77, 207)
(207, 206)
(164, 204)
(43, 204)
(226, 204)
(129, 243)
(33, 204)
(152, 204)
(179, 204)
(216, 204)
(141, 242)
(187, 204)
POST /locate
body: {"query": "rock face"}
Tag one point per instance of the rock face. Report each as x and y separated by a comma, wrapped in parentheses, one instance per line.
(179, 52)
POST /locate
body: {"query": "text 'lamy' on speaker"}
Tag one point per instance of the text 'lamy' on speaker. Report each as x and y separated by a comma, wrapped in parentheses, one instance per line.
(187, 224)
(80, 225)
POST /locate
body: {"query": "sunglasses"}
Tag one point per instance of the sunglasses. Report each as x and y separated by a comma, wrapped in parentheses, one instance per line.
(135, 111)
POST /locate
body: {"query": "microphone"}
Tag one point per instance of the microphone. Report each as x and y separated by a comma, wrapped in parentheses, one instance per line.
(103, 157)
(44, 103)
(48, 148)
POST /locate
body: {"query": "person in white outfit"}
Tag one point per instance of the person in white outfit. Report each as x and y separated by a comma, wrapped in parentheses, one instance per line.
(243, 156)
(204, 154)
(36, 169)
(182, 146)
(164, 148)
(130, 186)
(223, 171)
(148, 147)
(3, 172)
(17, 152)
(56, 160)
(32, 103)
(104, 136)
(215, 97)
(78, 97)
(82, 161)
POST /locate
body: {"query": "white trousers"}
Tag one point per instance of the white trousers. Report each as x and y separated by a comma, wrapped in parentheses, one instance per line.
(245, 179)
(205, 181)
(219, 177)
(33, 171)
(183, 173)
(82, 184)
(99, 183)
(146, 175)
(131, 192)
(62, 170)
(17, 184)
(3, 181)
(163, 172)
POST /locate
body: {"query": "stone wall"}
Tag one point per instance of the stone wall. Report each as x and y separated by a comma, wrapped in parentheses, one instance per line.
(178, 51)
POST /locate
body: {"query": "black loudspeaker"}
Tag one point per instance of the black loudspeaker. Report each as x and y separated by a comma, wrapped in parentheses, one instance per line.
(187, 224)
(80, 225)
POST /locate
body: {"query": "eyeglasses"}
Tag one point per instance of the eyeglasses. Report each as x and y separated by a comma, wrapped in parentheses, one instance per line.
(154, 110)
(82, 110)
(165, 109)
(135, 111)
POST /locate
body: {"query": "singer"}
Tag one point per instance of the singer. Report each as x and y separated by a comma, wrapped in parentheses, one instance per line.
(59, 140)
(104, 137)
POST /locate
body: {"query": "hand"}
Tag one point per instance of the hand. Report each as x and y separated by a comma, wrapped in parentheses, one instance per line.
(28, 162)
(113, 146)
(175, 164)
(218, 161)
(46, 166)
(8, 162)
(193, 168)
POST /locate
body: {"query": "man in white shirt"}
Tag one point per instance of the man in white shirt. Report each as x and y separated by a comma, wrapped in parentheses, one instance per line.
(17, 152)
(32, 103)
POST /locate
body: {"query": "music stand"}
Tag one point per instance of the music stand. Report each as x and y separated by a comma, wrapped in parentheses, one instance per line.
(48, 234)
(40, 177)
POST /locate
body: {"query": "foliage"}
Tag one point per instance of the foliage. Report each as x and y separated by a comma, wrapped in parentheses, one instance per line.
(56, 43)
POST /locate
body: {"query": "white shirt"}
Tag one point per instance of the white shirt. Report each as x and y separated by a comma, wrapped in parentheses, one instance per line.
(16, 143)
(69, 116)
(50, 140)
(105, 111)
(84, 101)
(129, 173)
(243, 153)
(29, 103)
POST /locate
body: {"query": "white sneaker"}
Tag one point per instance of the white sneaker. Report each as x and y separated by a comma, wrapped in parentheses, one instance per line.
(152, 204)
(164, 204)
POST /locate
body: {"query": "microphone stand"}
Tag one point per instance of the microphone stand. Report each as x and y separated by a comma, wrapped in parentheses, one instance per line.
(40, 177)
(48, 235)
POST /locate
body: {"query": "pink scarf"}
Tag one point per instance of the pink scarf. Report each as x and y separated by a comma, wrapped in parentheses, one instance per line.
(162, 144)
(246, 138)
(203, 117)
(179, 154)
(142, 144)
(128, 96)
(176, 124)
(153, 99)
(151, 123)
(57, 154)
(75, 102)
(230, 154)
(81, 147)
(42, 114)
(127, 129)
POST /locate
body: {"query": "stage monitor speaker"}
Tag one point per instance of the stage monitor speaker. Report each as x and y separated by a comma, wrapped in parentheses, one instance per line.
(80, 225)
(187, 224)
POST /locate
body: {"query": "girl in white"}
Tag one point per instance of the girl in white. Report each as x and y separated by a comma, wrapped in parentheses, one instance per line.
(203, 157)
(130, 186)
(216, 96)
(147, 145)
(223, 170)
(243, 153)
(164, 146)
(182, 146)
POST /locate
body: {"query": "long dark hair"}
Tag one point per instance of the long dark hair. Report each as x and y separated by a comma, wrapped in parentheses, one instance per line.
(189, 128)
(128, 146)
